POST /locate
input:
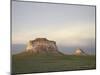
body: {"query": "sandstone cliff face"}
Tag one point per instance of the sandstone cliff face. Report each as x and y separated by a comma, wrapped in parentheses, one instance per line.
(42, 45)
(79, 52)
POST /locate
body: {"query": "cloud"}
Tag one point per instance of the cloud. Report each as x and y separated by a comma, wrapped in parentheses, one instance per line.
(72, 34)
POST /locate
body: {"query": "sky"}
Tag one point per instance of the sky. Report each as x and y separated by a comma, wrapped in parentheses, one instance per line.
(71, 26)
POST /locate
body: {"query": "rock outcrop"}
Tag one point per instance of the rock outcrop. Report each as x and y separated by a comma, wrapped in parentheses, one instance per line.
(79, 52)
(42, 45)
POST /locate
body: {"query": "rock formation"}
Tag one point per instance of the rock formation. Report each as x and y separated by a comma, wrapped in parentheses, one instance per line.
(79, 52)
(42, 45)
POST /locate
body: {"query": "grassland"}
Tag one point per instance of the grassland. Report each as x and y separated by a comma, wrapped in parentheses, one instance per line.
(29, 63)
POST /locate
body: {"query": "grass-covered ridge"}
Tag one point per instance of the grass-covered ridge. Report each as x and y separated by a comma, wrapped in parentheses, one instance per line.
(34, 63)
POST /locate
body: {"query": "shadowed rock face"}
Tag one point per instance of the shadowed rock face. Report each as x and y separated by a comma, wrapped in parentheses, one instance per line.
(42, 45)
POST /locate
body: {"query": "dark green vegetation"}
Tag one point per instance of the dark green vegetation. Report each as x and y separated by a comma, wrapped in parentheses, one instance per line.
(29, 63)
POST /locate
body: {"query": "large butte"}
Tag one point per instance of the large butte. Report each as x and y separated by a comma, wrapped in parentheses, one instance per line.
(42, 45)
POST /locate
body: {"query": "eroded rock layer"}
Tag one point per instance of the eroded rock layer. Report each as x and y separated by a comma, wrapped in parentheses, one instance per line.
(42, 45)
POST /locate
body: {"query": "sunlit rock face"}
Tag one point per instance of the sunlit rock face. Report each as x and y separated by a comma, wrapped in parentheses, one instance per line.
(42, 45)
(79, 52)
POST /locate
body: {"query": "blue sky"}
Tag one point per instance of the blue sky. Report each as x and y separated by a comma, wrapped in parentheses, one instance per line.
(71, 26)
